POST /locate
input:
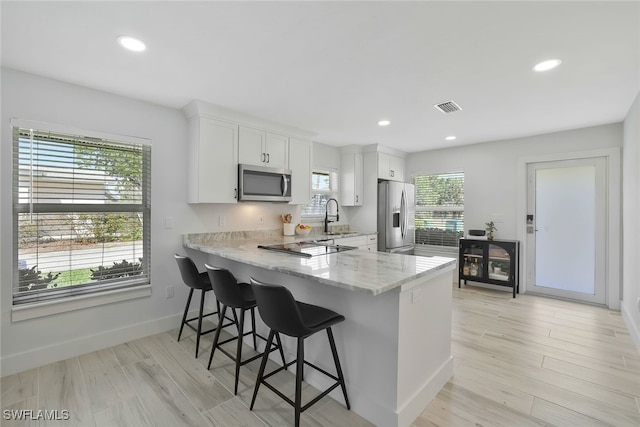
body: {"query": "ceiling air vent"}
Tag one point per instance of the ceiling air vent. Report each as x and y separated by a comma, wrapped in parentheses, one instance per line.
(448, 107)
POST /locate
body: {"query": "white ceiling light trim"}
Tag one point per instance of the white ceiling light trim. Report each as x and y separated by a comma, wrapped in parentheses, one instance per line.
(384, 123)
(450, 138)
(547, 65)
(131, 43)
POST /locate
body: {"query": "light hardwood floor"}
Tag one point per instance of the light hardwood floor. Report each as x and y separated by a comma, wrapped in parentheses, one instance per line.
(518, 362)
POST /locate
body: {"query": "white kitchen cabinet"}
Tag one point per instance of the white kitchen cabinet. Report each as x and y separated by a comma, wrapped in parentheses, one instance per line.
(300, 152)
(277, 150)
(261, 148)
(372, 242)
(351, 184)
(390, 167)
(359, 241)
(213, 161)
(367, 242)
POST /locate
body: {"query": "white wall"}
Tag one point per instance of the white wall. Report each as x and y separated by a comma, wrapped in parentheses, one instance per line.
(493, 180)
(490, 170)
(43, 340)
(630, 207)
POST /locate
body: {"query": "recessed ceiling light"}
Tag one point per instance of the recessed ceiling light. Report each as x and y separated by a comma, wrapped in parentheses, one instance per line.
(547, 65)
(450, 138)
(384, 123)
(131, 43)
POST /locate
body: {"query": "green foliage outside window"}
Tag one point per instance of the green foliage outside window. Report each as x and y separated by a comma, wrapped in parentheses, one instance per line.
(439, 216)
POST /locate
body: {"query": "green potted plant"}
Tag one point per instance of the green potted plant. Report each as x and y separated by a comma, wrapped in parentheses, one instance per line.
(491, 227)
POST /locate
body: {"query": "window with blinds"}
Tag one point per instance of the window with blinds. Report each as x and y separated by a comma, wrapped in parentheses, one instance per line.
(324, 185)
(81, 215)
(439, 217)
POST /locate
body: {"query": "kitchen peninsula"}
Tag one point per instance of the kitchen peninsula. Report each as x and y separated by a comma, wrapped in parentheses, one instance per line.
(395, 345)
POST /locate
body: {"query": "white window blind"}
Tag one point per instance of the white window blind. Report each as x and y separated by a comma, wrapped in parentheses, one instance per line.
(439, 217)
(324, 185)
(81, 215)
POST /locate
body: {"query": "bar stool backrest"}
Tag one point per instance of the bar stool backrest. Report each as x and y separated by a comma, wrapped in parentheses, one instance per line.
(190, 275)
(278, 309)
(225, 286)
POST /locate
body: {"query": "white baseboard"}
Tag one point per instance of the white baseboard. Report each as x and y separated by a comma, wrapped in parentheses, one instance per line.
(634, 330)
(37, 357)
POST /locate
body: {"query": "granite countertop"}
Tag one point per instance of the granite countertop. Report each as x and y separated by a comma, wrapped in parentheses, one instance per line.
(359, 270)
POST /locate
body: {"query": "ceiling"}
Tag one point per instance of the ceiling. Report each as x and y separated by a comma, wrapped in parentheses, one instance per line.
(337, 68)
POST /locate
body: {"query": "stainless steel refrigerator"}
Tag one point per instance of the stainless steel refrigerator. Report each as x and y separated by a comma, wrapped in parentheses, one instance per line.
(396, 213)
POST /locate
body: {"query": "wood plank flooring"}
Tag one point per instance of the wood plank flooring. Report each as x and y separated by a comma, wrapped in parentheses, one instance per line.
(528, 361)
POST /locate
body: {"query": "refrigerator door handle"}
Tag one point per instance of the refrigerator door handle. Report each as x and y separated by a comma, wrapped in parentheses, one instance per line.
(403, 215)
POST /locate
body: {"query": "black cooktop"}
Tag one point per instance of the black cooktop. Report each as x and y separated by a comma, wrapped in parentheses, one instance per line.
(306, 249)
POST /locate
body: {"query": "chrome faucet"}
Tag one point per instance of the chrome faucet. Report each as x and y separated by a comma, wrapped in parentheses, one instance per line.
(326, 214)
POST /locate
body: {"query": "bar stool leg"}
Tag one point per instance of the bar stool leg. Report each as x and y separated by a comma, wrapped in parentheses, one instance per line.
(239, 349)
(253, 328)
(299, 375)
(235, 317)
(263, 364)
(200, 321)
(215, 339)
(338, 367)
(284, 363)
(186, 311)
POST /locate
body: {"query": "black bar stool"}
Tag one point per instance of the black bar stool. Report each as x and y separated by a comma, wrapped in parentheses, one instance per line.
(195, 280)
(283, 314)
(234, 295)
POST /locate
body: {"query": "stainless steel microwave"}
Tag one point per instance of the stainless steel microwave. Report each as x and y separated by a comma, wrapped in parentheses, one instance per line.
(261, 184)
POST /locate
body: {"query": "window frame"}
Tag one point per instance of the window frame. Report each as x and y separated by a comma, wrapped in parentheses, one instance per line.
(30, 304)
(334, 191)
(438, 208)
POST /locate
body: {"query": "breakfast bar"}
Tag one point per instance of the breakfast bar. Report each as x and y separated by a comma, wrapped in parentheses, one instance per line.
(395, 345)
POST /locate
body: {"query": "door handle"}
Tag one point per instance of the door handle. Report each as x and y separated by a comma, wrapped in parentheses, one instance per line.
(264, 157)
(285, 185)
(267, 157)
(402, 214)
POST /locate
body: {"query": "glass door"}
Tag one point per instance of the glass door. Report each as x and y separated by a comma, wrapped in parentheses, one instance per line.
(473, 266)
(567, 229)
(499, 263)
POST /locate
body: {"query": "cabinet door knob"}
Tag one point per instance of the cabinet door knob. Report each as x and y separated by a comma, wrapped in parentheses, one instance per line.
(356, 198)
(268, 157)
(236, 193)
(264, 157)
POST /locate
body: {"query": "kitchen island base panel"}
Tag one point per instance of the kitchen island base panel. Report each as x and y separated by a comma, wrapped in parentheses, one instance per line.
(395, 347)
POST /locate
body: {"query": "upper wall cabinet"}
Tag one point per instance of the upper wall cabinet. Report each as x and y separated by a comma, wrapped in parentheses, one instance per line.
(213, 161)
(351, 184)
(390, 167)
(260, 148)
(300, 161)
(220, 139)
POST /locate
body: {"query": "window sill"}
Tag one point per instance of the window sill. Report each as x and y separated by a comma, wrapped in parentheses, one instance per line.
(48, 308)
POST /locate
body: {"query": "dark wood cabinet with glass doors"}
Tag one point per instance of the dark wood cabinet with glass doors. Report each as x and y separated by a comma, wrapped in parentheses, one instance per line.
(490, 261)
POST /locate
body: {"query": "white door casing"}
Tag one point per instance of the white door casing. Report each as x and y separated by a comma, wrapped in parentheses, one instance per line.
(566, 231)
(613, 219)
